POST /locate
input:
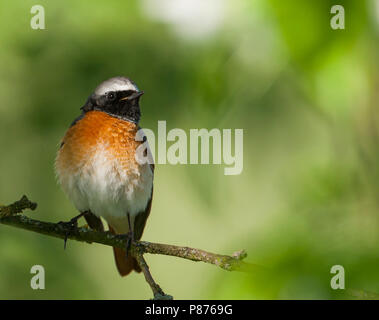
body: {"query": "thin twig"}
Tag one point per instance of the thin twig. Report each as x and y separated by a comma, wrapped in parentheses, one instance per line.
(9, 215)
(17, 207)
(157, 291)
(362, 295)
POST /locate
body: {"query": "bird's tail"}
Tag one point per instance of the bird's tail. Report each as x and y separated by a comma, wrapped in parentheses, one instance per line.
(124, 264)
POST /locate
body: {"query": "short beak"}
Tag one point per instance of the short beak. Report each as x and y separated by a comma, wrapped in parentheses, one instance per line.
(133, 96)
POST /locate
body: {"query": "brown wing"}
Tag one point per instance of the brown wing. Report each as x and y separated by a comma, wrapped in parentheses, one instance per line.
(141, 218)
(126, 265)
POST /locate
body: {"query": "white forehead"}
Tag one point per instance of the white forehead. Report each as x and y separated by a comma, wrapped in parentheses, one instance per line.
(116, 84)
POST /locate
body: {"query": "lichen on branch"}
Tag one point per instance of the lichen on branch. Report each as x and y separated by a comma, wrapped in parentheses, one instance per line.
(10, 215)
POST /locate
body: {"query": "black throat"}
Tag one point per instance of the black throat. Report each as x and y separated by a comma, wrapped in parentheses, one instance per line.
(125, 118)
(127, 110)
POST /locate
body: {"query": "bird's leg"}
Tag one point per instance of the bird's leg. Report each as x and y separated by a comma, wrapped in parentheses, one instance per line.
(72, 226)
(129, 237)
(93, 222)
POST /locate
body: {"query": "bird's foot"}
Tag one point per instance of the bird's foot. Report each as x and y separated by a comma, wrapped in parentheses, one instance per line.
(71, 226)
(129, 241)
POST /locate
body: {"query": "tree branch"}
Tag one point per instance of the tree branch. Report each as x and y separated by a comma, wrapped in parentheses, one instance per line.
(9, 215)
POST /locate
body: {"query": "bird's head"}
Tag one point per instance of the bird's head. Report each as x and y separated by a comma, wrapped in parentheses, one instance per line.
(118, 96)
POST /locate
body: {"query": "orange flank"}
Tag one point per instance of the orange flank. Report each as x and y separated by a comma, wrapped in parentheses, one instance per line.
(96, 128)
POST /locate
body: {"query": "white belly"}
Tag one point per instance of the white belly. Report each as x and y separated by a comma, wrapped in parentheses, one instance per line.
(103, 186)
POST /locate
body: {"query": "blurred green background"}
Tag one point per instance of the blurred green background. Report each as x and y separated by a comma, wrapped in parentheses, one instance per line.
(305, 95)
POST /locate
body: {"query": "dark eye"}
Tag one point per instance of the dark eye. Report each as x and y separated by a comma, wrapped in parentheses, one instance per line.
(111, 95)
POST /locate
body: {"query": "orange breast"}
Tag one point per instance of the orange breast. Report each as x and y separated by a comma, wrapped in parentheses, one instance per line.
(96, 128)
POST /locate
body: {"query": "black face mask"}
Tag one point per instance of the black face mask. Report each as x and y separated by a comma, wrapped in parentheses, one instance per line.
(120, 104)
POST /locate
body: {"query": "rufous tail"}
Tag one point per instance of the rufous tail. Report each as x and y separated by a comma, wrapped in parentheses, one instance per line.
(124, 264)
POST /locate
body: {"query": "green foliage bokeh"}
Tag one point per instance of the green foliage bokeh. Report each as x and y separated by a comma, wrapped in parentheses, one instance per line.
(305, 95)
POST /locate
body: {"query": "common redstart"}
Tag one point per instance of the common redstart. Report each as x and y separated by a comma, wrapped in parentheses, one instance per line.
(97, 167)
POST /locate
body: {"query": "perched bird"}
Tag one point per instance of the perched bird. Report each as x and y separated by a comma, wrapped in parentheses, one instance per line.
(97, 167)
